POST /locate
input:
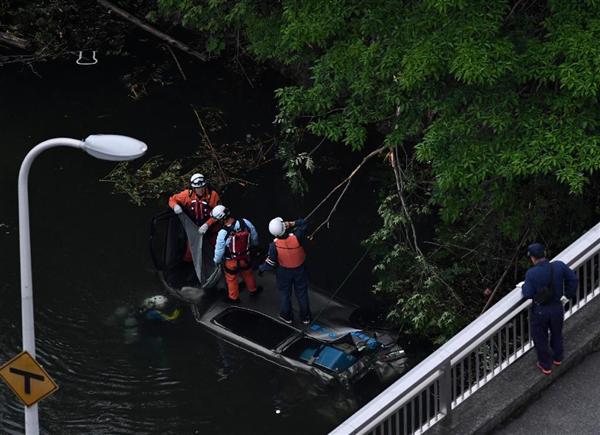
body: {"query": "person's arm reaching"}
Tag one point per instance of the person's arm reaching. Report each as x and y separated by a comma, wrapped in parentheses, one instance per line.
(178, 199)
(271, 260)
(300, 226)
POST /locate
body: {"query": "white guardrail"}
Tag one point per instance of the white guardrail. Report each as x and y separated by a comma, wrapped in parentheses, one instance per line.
(470, 359)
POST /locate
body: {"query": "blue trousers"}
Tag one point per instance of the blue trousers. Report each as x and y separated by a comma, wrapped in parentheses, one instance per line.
(544, 319)
(296, 278)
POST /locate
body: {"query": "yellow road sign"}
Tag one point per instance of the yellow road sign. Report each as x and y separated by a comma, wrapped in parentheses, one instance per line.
(27, 379)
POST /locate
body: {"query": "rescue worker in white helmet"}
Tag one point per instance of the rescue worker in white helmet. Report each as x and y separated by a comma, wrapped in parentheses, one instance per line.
(232, 249)
(287, 255)
(198, 201)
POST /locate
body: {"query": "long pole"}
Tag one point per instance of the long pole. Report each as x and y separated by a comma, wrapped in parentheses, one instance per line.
(27, 320)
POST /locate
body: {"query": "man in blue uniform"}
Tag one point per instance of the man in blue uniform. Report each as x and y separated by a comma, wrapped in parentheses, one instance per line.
(546, 283)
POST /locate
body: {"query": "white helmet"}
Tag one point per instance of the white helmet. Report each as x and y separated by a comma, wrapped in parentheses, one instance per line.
(219, 212)
(277, 227)
(197, 180)
(159, 302)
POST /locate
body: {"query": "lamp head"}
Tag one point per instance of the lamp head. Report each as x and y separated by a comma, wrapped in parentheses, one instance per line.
(114, 147)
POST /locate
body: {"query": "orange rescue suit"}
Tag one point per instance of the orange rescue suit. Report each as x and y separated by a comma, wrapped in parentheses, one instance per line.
(290, 253)
(187, 197)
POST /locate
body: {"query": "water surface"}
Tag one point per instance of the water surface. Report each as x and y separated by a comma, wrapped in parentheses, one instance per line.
(91, 263)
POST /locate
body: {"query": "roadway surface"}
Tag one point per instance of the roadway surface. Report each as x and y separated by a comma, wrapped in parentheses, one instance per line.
(571, 405)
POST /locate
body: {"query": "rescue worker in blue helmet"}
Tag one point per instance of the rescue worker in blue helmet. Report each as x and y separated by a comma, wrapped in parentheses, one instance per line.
(287, 255)
(546, 283)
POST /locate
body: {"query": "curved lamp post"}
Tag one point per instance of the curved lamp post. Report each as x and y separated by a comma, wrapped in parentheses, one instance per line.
(102, 146)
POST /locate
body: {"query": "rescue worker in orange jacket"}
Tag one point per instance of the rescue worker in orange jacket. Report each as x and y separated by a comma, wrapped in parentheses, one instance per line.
(198, 201)
(286, 253)
(233, 245)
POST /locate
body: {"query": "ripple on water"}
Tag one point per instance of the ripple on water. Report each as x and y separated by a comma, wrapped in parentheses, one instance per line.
(104, 379)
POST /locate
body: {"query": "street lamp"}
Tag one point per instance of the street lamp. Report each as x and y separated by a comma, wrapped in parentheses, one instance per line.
(102, 146)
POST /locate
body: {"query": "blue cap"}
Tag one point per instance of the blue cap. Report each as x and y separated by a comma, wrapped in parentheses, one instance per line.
(536, 250)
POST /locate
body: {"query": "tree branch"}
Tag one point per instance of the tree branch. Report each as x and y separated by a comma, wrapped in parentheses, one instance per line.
(210, 146)
(400, 189)
(316, 147)
(177, 63)
(13, 41)
(326, 221)
(345, 180)
(131, 18)
(487, 304)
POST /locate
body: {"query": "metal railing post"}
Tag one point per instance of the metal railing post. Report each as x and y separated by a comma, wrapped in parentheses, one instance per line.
(446, 394)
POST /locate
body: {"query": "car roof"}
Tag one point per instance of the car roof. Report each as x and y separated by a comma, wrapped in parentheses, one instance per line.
(332, 315)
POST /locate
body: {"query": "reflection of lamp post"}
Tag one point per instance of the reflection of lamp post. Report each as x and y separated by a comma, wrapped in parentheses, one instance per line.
(102, 146)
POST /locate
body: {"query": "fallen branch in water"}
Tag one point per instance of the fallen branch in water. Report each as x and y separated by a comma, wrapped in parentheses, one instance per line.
(133, 19)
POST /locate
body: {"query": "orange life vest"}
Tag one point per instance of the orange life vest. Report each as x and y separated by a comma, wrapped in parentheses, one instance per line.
(290, 252)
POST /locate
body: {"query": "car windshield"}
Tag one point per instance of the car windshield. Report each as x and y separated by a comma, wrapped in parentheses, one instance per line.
(254, 326)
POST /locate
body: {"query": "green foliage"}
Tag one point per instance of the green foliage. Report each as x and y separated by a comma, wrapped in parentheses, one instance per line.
(493, 104)
(296, 164)
(419, 287)
(150, 181)
(227, 164)
(218, 21)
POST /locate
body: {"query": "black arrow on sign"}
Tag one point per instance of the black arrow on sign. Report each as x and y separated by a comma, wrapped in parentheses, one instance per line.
(28, 377)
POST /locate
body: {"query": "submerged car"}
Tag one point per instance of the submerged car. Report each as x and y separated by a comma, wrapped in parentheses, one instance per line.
(331, 347)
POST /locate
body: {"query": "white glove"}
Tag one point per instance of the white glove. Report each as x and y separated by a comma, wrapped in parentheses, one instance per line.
(177, 209)
(203, 229)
